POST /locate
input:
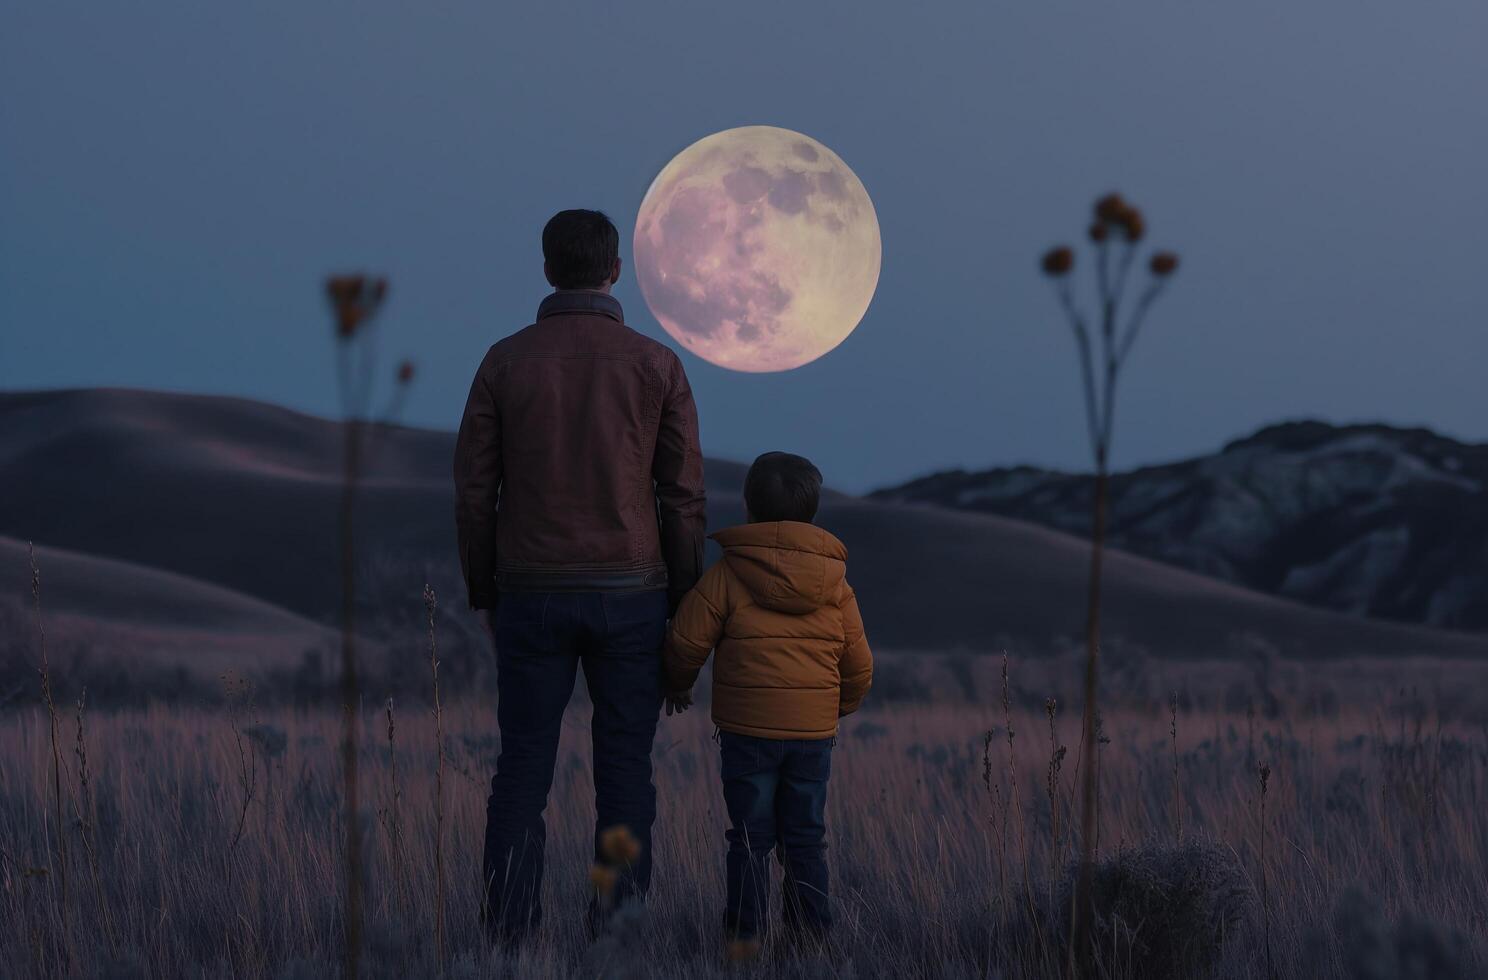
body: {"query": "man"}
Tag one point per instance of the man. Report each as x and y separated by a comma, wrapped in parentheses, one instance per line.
(579, 506)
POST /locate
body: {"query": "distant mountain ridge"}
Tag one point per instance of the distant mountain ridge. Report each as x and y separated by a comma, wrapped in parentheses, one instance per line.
(1366, 519)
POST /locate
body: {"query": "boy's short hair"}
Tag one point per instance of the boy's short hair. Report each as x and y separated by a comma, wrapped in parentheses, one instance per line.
(782, 487)
(580, 248)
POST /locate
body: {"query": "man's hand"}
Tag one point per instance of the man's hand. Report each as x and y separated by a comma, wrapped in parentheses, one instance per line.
(678, 702)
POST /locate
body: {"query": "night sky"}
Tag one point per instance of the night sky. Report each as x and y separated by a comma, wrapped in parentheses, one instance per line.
(175, 179)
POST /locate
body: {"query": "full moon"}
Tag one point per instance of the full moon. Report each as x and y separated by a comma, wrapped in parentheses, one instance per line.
(757, 249)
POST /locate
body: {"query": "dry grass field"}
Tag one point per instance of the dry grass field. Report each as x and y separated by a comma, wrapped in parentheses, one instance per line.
(204, 841)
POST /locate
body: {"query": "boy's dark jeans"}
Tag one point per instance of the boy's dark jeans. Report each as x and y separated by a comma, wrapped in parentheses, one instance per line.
(776, 795)
(541, 639)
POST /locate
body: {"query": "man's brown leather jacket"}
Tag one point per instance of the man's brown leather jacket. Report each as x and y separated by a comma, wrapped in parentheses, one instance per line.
(577, 466)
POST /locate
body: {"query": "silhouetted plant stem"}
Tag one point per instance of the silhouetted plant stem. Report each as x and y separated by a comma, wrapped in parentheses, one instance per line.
(1177, 786)
(51, 705)
(1007, 715)
(1264, 771)
(247, 760)
(999, 808)
(83, 807)
(1080, 914)
(349, 694)
(395, 826)
(355, 299)
(1056, 762)
(1113, 216)
(430, 606)
(1100, 739)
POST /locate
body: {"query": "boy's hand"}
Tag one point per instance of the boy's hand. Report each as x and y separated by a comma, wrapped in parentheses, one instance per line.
(678, 702)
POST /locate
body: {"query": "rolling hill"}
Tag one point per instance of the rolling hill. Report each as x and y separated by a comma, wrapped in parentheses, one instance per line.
(197, 527)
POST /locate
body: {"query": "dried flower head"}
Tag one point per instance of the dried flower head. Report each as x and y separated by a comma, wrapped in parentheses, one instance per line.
(1265, 771)
(344, 289)
(1133, 225)
(355, 300)
(405, 372)
(603, 879)
(619, 846)
(1050, 705)
(1163, 264)
(1058, 261)
(1109, 209)
(1098, 232)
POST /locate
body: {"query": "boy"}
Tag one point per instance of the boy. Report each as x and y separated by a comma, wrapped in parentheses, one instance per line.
(791, 660)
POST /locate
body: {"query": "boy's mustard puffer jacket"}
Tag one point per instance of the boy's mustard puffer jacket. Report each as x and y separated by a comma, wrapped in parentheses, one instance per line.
(791, 654)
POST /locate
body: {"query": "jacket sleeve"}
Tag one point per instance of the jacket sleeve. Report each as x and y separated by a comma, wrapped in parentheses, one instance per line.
(856, 666)
(677, 469)
(695, 631)
(478, 488)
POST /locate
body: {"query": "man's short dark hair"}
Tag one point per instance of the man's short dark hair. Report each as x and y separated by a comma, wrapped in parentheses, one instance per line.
(782, 487)
(580, 248)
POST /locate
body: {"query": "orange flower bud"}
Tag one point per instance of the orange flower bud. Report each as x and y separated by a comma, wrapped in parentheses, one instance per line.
(405, 372)
(1163, 264)
(1058, 261)
(1098, 232)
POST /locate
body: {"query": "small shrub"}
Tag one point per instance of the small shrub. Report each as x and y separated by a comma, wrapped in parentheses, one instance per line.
(1170, 907)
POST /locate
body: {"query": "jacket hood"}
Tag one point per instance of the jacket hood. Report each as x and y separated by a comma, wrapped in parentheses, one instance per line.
(786, 566)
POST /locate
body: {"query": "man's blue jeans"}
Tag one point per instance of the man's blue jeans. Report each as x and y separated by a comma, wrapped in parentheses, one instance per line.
(776, 795)
(541, 639)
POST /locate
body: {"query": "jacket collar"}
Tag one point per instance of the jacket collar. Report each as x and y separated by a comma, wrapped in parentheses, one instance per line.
(789, 535)
(581, 301)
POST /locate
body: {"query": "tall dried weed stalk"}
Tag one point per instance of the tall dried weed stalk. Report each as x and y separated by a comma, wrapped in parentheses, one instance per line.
(239, 693)
(1017, 804)
(84, 809)
(394, 819)
(45, 670)
(998, 818)
(1115, 232)
(1264, 772)
(430, 607)
(1177, 784)
(1056, 763)
(355, 301)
